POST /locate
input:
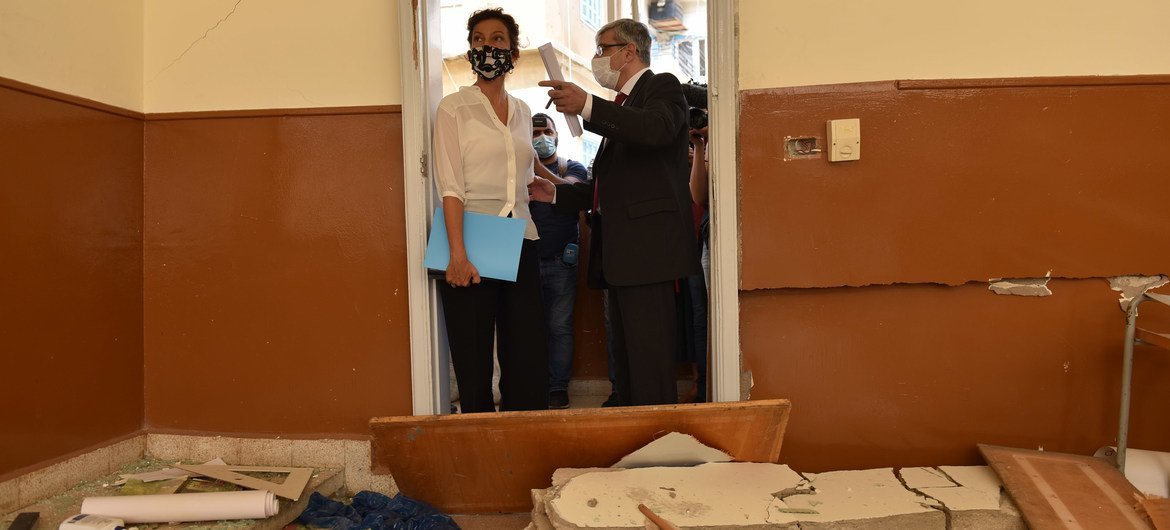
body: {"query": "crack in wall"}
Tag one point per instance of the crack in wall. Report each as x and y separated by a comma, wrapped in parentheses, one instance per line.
(196, 41)
(1021, 286)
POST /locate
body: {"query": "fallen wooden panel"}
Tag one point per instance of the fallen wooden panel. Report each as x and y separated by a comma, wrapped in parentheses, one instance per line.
(1159, 511)
(485, 463)
(291, 488)
(1055, 490)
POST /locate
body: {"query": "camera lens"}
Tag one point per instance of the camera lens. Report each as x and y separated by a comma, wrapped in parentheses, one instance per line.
(697, 118)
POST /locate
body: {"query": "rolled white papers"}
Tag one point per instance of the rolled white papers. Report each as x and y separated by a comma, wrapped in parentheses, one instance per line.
(184, 507)
(1148, 471)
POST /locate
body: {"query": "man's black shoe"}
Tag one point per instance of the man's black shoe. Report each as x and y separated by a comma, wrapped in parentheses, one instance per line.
(612, 401)
(558, 399)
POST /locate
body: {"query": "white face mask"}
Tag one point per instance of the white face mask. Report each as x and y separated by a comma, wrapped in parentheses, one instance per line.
(604, 74)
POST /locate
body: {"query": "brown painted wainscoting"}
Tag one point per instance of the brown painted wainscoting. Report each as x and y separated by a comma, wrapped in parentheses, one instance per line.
(958, 182)
(70, 275)
(865, 284)
(275, 297)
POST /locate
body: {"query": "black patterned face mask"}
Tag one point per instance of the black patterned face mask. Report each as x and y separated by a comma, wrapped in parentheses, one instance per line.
(490, 62)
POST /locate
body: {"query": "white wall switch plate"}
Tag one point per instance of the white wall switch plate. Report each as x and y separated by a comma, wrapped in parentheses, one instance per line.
(844, 140)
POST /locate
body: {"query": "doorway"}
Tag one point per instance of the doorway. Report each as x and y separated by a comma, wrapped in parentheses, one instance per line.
(431, 69)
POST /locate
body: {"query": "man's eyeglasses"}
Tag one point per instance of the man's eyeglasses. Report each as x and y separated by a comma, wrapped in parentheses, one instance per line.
(601, 47)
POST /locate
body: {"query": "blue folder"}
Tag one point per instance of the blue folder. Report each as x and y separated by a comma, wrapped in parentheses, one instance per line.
(492, 243)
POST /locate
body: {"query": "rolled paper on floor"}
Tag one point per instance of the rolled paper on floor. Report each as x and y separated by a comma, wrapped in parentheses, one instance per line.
(1148, 471)
(184, 507)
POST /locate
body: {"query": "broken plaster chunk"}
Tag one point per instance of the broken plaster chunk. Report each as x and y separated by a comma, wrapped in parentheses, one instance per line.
(924, 477)
(1021, 286)
(804, 488)
(872, 498)
(977, 502)
(1131, 287)
(565, 474)
(674, 449)
(724, 494)
(540, 519)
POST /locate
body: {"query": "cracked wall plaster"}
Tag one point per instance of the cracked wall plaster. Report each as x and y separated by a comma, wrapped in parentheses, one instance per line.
(1021, 286)
(1133, 286)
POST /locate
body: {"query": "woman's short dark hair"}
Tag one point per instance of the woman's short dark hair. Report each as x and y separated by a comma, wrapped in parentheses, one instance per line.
(504, 18)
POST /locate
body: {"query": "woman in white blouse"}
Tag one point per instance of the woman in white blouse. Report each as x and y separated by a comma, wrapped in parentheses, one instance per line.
(483, 162)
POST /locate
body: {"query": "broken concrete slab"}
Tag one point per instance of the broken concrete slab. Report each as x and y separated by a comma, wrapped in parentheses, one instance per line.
(869, 499)
(924, 477)
(950, 497)
(565, 474)
(540, 520)
(674, 449)
(708, 495)
(976, 502)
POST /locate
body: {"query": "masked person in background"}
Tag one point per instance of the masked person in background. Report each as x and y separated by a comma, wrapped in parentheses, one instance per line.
(483, 163)
(642, 236)
(558, 258)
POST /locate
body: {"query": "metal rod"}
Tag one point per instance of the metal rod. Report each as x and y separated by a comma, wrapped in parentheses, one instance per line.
(1126, 379)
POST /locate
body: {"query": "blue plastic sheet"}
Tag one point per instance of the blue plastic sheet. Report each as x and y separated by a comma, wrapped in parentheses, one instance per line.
(374, 511)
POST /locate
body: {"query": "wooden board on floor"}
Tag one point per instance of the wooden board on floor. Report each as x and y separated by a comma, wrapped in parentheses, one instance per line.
(1159, 512)
(487, 463)
(1056, 490)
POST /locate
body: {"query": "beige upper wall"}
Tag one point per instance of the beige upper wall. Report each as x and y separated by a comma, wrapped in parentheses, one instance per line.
(174, 55)
(87, 49)
(785, 43)
(254, 54)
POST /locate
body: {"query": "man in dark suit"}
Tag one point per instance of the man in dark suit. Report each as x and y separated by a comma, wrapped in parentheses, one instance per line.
(642, 236)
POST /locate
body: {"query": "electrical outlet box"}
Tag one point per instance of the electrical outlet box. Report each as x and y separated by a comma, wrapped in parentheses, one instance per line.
(844, 140)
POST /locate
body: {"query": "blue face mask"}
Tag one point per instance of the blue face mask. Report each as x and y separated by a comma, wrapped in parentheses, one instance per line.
(545, 146)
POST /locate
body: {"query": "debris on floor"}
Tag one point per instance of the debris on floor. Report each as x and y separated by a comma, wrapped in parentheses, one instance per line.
(488, 462)
(374, 511)
(1058, 490)
(761, 495)
(126, 489)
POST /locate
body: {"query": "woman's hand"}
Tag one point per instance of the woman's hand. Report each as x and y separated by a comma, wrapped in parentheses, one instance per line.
(461, 273)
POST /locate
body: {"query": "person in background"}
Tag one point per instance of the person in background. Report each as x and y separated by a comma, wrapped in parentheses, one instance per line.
(698, 338)
(483, 163)
(642, 237)
(558, 258)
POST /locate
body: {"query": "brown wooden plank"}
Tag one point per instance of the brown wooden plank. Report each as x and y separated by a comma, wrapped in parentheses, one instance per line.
(1056, 490)
(487, 463)
(1161, 340)
(1159, 511)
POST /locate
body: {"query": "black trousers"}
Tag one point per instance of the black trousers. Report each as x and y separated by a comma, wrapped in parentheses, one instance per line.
(513, 315)
(644, 322)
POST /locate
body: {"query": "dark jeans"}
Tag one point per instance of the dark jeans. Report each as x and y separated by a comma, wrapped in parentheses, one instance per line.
(699, 329)
(558, 282)
(512, 314)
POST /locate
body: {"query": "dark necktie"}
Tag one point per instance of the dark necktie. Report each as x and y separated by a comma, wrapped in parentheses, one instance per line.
(621, 98)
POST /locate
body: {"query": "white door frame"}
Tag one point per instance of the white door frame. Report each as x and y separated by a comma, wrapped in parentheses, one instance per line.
(723, 92)
(420, 57)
